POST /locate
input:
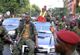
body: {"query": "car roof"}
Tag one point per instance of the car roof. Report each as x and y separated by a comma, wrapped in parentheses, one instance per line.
(14, 18)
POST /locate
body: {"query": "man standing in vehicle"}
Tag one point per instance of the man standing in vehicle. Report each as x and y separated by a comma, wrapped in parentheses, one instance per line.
(45, 15)
(29, 36)
(3, 34)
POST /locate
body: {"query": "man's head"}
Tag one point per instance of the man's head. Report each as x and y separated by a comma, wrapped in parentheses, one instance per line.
(76, 16)
(63, 18)
(66, 41)
(72, 24)
(28, 18)
(43, 9)
(57, 18)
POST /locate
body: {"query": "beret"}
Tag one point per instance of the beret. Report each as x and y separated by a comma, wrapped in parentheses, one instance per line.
(72, 22)
(68, 36)
(43, 8)
(63, 18)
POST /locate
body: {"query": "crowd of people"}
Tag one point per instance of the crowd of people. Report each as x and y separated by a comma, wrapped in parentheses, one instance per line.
(66, 33)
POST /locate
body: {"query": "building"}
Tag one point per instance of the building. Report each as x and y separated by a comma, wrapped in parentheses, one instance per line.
(70, 4)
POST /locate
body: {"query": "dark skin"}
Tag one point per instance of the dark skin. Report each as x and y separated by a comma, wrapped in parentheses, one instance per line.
(27, 25)
(6, 38)
(37, 9)
(45, 8)
(63, 20)
(9, 40)
(67, 49)
(57, 18)
(79, 27)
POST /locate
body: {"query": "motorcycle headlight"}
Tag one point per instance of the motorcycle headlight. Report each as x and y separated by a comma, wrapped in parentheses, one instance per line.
(12, 32)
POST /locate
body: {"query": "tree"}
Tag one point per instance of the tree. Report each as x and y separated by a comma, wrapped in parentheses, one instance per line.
(29, 7)
(77, 7)
(12, 5)
(36, 13)
(60, 11)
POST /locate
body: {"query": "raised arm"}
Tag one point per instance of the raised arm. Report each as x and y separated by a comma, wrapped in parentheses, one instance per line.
(36, 9)
(53, 30)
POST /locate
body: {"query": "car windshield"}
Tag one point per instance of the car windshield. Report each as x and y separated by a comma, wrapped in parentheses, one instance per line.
(43, 27)
(11, 22)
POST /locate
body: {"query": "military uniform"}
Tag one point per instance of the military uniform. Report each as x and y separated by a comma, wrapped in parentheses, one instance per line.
(3, 33)
(74, 53)
(27, 38)
(69, 37)
(77, 31)
(47, 16)
(62, 25)
(57, 23)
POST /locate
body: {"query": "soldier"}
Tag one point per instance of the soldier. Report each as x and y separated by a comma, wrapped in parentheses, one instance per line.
(45, 8)
(57, 22)
(72, 25)
(29, 37)
(68, 39)
(3, 34)
(76, 29)
(76, 19)
(44, 13)
(48, 16)
(62, 23)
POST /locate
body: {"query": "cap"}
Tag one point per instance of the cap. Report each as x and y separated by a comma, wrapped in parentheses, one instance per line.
(68, 36)
(72, 22)
(43, 8)
(63, 18)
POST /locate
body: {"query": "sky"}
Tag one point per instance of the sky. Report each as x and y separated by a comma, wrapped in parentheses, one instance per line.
(48, 3)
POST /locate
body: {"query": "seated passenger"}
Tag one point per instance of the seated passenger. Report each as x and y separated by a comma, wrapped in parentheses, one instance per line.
(28, 34)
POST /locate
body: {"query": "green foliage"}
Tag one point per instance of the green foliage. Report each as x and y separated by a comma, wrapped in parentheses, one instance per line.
(29, 8)
(11, 5)
(78, 10)
(35, 12)
(77, 3)
(60, 11)
(17, 7)
(77, 7)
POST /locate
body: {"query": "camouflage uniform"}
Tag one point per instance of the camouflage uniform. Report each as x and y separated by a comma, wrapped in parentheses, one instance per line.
(47, 16)
(27, 41)
(3, 33)
(56, 23)
(77, 31)
(62, 25)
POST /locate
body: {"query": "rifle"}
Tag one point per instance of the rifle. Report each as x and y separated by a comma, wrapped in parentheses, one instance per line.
(18, 40)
